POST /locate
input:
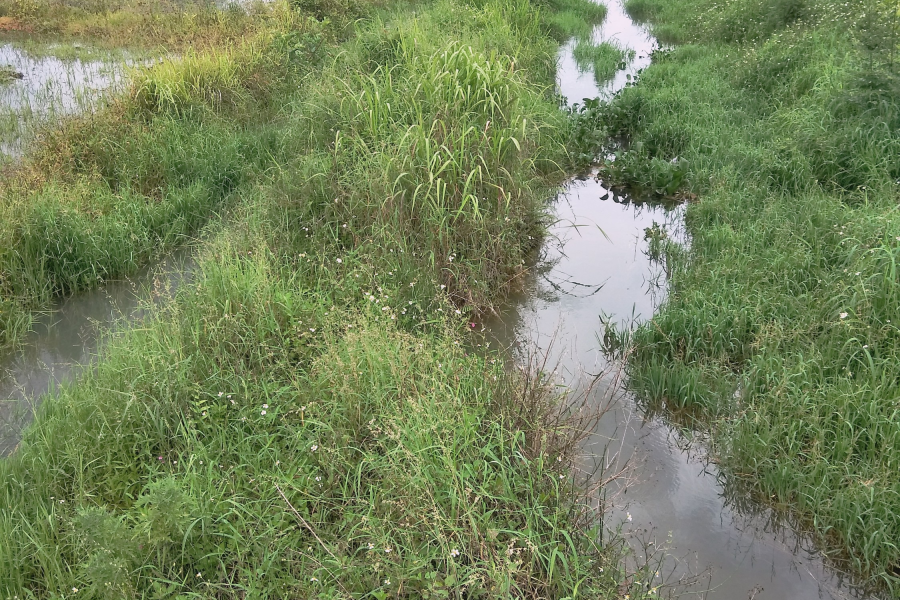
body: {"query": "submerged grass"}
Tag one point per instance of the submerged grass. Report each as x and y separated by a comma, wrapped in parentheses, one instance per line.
(307, 419)
(780, 331)
(7, 74)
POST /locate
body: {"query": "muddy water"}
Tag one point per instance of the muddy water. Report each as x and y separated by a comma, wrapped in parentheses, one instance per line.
(67, 337)
(48, 88)
(596, 264)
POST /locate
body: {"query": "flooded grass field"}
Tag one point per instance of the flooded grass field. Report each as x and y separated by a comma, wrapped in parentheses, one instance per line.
(302, 376)
(46, 89)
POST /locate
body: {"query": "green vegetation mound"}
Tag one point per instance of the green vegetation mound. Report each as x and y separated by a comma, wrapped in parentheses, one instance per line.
(310, 417)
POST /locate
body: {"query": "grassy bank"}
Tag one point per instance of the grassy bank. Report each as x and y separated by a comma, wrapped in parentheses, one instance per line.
(307, 419)
(780, 332)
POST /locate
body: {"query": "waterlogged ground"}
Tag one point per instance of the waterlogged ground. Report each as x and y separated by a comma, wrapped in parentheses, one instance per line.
(672, 503)
(46, 88)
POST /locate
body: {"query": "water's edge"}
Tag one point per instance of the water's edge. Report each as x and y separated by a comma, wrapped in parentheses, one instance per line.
(675, 503)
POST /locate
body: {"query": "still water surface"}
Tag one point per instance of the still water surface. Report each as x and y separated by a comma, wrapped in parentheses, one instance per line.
(49, 88)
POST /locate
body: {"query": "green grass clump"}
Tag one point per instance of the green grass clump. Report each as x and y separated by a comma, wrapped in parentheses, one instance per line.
(102, 194)
(604, 59)
(7, 74)
(780, 329)
(157, 25)
(257, 441)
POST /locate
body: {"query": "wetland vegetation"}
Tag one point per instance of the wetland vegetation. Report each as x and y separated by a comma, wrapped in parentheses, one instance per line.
(310, 416)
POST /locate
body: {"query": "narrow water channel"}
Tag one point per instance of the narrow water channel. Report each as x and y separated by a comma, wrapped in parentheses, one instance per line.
(597, 264)
(67, 337)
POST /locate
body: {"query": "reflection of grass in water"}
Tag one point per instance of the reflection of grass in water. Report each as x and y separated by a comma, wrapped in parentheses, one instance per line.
(604, 59)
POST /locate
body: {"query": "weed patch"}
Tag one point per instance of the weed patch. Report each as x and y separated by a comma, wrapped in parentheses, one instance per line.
(603, 59)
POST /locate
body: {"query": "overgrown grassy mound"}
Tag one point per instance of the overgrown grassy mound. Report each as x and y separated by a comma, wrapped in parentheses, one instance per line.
(308, 418)
(781, 327)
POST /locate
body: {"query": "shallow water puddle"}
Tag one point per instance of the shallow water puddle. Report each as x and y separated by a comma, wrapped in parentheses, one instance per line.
(48, 88)
(674, 503)
(597, 264)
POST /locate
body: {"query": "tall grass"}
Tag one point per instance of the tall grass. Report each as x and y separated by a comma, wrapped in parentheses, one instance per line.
(257, 441)
(101, 194)
(779, 332)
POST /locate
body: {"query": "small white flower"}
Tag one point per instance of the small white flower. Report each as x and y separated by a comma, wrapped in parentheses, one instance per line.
(387, 550)
(314, 447)
(371, 546)
(313, 578)
(221, 394)
(313, 329)
(454, 553)
(387, 582)
(844, 315)
(318, 478)
(265, 406)
(628, 517)
(262, 412)
(443, 286)
(338, 260)
(75, 590)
